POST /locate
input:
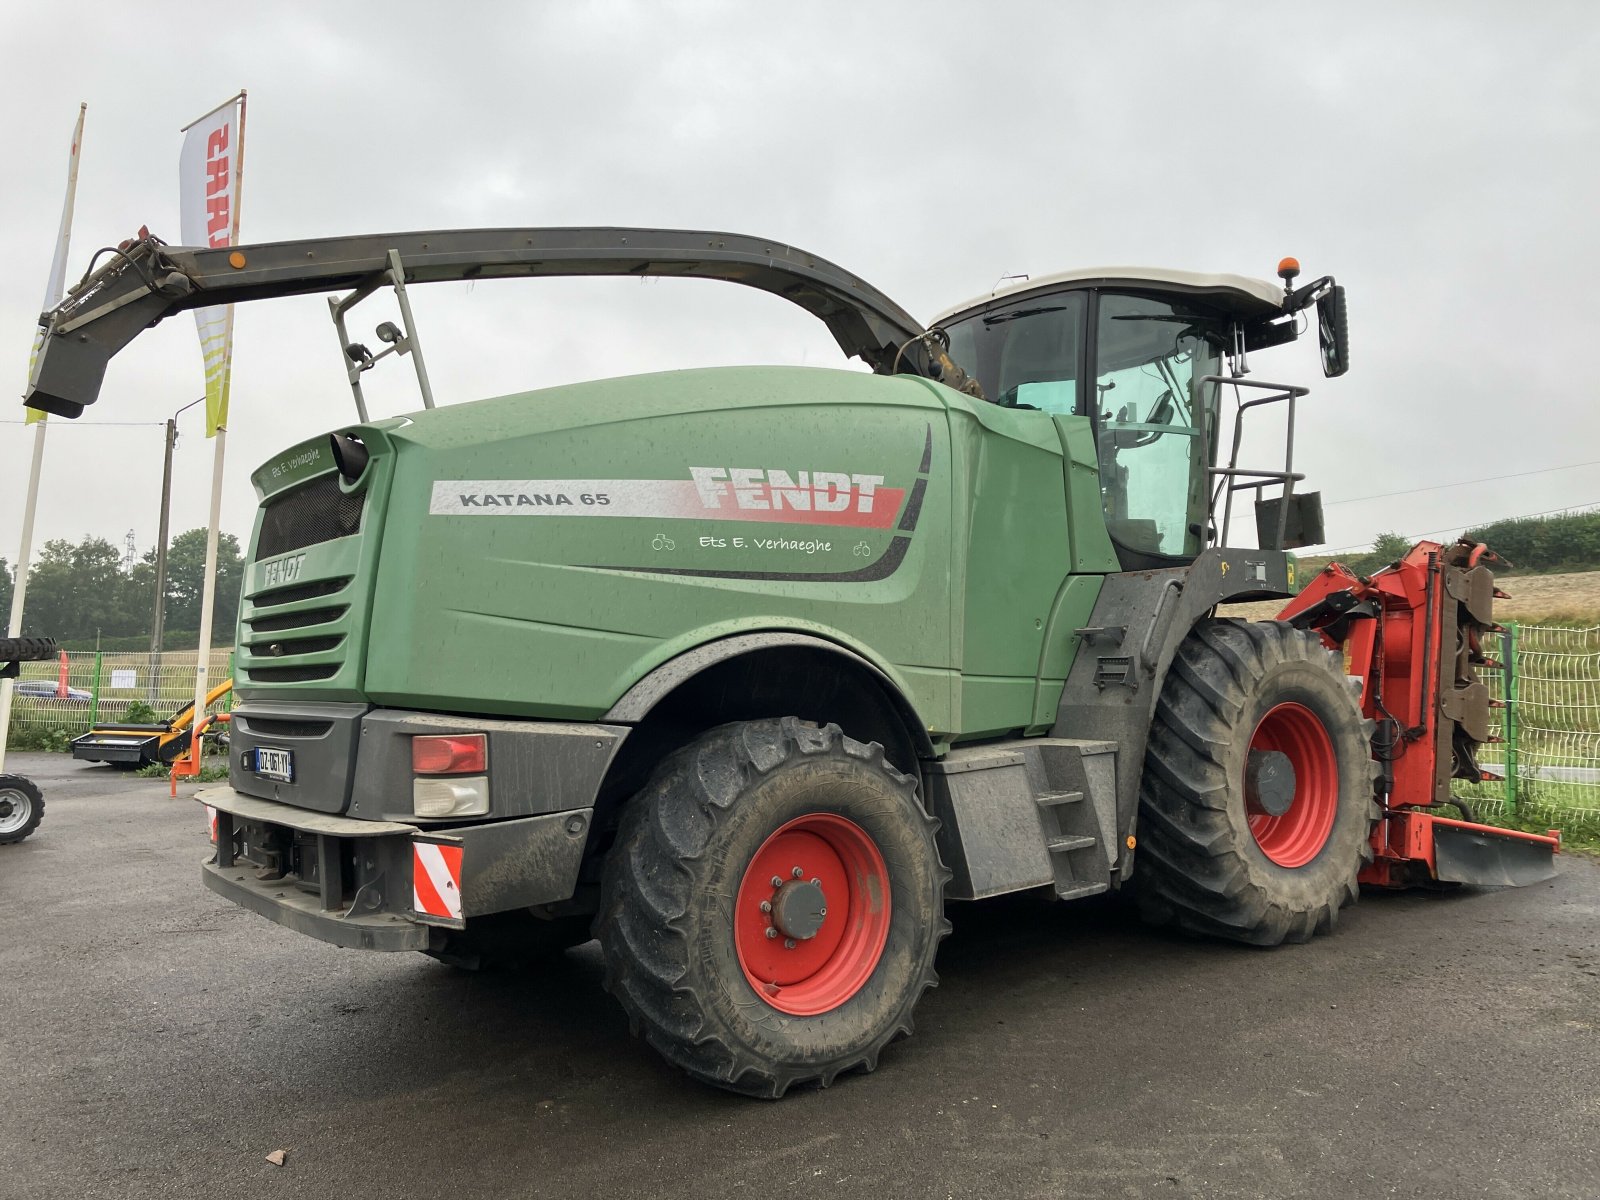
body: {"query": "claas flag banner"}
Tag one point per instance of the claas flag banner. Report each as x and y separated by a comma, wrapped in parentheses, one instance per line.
(208, 179)
(58, 267)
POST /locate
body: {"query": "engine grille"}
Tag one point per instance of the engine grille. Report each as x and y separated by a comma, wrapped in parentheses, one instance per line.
(320, 511)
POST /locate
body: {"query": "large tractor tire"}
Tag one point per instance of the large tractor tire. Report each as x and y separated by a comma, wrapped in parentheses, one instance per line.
(772, 905)
(21, 808)
(1256, 805)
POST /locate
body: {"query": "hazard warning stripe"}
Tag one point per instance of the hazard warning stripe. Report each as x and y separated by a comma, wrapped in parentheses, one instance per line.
(436, 880)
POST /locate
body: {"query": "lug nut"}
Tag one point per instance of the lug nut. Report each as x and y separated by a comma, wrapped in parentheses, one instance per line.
(766, 906)
(822, 912)
(815, 882)
(788, 943)
(776, 882)
(771, 932)
(797, 873)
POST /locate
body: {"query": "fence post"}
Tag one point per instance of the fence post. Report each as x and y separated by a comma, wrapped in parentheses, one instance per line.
(1512, 719)
(94, 699)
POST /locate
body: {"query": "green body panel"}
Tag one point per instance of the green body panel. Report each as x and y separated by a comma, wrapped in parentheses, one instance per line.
(536, 555)
(1073, 605)
(1017, 557)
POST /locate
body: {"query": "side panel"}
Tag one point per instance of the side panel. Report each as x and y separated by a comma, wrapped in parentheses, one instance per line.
(1018, 551)
(543, 552)
(1092, 552)
(1071, 612)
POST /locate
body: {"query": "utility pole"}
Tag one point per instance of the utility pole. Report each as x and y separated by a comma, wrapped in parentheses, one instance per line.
(158, 626)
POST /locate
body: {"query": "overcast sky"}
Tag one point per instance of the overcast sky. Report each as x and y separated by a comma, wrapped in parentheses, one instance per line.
(1438, 158)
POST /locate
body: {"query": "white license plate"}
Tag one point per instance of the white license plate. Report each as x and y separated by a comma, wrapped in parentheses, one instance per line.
(275, 764)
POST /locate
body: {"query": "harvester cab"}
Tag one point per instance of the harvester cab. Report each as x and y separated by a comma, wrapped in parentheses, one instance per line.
(749, 672)
(1147, 356)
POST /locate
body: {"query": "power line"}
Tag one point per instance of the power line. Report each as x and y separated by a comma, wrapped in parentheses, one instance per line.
(1441, 486)
(1566, 508)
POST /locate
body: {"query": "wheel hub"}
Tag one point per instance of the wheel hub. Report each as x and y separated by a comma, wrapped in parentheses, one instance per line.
(1269, 782)
(811, 917)
(1291, 785)
(799, 908)
(15, 809)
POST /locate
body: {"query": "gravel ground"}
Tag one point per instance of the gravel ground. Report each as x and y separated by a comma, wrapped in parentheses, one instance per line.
(157, 1041)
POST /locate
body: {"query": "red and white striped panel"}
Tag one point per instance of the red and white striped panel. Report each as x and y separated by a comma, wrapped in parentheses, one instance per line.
(436, 880)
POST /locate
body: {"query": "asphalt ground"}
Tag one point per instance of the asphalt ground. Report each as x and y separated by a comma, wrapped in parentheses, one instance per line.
(157, 1041)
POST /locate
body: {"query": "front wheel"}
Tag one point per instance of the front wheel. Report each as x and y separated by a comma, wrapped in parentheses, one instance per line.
(1256, 803)
(772, 906)
(21, 808)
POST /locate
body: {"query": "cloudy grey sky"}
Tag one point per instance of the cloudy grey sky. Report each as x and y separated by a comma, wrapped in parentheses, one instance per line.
(1439, 158)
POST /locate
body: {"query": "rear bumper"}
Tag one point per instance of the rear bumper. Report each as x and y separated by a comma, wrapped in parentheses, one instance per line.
(385, 885)
(304, 913)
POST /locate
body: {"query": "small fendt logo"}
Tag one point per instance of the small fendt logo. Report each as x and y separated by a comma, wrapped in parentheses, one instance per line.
(768, 488)
(281, 570)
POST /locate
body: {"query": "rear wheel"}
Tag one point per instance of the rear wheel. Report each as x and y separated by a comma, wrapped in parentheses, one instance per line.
(772, 906)
(1256, 803)
(21, 808)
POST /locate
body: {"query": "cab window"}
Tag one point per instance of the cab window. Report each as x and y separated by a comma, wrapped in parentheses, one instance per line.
(1027, 355)
(1153, 431)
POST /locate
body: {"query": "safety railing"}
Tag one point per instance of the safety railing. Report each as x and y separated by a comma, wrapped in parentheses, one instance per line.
(1225, 481)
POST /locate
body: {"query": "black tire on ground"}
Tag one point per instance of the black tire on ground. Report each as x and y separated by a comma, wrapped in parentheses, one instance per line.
(21, 808)
(1200, 866)
(674, 878)
(512, 941)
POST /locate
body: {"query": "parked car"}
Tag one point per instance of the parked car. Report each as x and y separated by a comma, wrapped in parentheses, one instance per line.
(44, 689)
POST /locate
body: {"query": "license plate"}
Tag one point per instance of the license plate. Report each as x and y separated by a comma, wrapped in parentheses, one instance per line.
(275, 764)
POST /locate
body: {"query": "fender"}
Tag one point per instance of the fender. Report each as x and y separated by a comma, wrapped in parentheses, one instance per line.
(649, 691)
(1139, 620)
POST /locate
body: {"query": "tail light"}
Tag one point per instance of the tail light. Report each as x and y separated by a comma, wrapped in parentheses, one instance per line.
(462, 759)
(456, 754)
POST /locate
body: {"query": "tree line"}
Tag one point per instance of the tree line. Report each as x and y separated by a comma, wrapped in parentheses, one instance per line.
(78, 591)
(1562, 542)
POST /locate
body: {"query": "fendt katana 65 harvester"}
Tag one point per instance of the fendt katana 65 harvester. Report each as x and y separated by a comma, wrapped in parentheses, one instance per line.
(750, 671)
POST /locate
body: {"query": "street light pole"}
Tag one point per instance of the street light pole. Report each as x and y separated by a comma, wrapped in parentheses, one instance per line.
(159, 623)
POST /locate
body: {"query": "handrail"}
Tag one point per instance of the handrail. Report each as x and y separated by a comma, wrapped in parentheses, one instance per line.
(1287, 477)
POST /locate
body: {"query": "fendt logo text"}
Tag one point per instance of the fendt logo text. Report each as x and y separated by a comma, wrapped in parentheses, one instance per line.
(805, 491)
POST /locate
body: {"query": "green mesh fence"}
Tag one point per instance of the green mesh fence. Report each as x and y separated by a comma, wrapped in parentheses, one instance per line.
(1550, 756)
(45, 714)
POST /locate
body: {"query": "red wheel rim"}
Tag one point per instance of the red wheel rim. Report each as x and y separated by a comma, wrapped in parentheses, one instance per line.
(1298, 835)
(804, 976)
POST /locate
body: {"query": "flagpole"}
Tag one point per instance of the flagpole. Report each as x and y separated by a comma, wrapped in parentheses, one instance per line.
(208, 593)
(30, 506)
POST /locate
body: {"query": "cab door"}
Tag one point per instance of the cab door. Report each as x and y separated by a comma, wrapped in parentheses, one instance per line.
(1155, 423)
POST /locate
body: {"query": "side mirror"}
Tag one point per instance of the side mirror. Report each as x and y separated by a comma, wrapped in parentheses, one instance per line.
(1333, 332)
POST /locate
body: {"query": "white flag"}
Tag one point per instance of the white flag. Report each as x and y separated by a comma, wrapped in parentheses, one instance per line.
(208, 181)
